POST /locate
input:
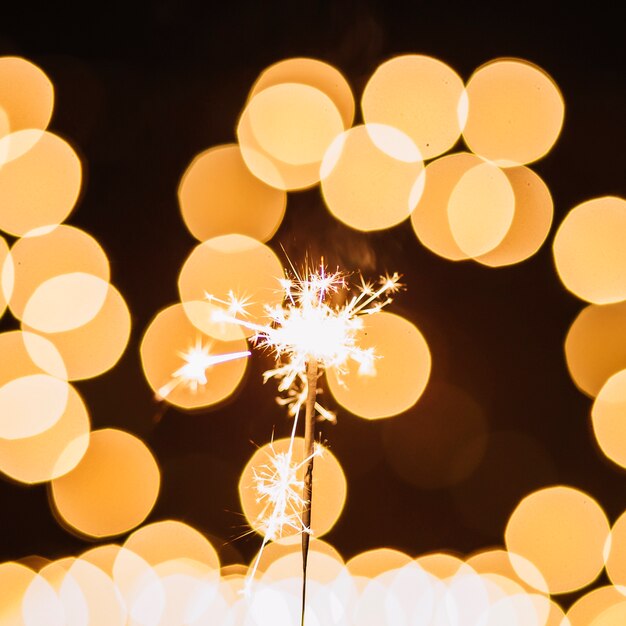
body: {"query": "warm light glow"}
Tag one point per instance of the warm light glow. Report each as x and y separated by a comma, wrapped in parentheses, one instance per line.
(51, 162)
(374, 562)
(595, 346)
(270, 490)
(428, 447)
(613, 616)
(418, 95)
(64, 250)
(481, 209)
(314, 73)
(14, 581)
(95, 347)
(187, 368)
(442, 565)
(593, 604)
(30, 105)
(65, 302)
(531, 221)
(321, 568)
(218, 195)
(589, 250)
(112, 489)
(515, 112)
(430, 219)
(608, 418)
(402, 363)
(371, 177)
(563, 532)
(615, 555)
(235, 269)
(6, 274)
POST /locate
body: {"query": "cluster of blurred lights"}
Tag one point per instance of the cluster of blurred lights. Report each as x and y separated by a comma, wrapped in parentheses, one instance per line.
(295, 132)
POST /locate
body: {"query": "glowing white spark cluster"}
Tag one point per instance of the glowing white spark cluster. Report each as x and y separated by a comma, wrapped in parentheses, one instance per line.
(198, 359)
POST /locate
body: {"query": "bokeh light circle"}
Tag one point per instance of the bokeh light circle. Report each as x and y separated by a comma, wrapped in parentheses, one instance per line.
(515, 112)
(616, 553)
(218, 195)
(608, 416)
(6, 281)
(329, 488)
(562, 531)
(402, 369)
(168, 340)
(54, 164)
(418, 95)
(595, 346)
(589, 250)
(372, 177)
(112, 489)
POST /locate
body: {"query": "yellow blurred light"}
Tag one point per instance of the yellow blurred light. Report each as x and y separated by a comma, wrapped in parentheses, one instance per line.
(186, 368)
(14, 581)
(515, 112)
(372, 177)
(593, 604)
(321, 567)
(616, 553)
(314, 73)
(329, 489)
(218, 195)
(608, 418)
(424, 447)
(40, 187)
(6, 273)
(169, 540)
(615, 615)
(232, 265)
(64, 250)
(26, 94)
(374, 562)
(65, 302)
(40, 605)
(420, 96)
(589, 250)
(595, 346)
(402, 369)
(442, 565)
(94, 347)
(481, 209)
(430, 220)
(562, 531)
(52, 453)
(112, 489)
(531, 223)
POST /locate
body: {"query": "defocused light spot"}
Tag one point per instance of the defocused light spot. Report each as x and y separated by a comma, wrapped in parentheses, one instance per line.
(218, 196)
(613, 616)
(233, 265)
(40, 187)
(329, 485)
(442, 565)
(65, 302)
(369, 175)
(430, 219)
(30, 354)
(500, 562)
(14, 581)
(589, 250)
(529, 610)
(6, 281)
(609, 418)
(515, 112)
(170, 343)
(112, 489)
(52, 453)
(424, 447)
(41, 606)
(96, 346)
(616, 558)
(104, 604)
(402, 369)
(168, 540)
(322, 568)
(374, 562)
(64, 250)
(592, 604)
(376, 606)
(314, 73)
(269, 606)
(102, 556)
(595, 346)
(481, 209)
(532, 219)
(562, 531)
(420, 96)
(30, 405)
(26, 94)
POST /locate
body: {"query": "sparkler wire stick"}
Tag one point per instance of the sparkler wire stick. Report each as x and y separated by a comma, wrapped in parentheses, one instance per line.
(309, 448)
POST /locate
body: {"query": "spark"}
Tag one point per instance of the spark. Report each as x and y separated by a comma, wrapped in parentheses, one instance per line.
(198, 360)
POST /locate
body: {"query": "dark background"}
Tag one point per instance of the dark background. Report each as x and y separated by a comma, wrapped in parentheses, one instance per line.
(141, 89)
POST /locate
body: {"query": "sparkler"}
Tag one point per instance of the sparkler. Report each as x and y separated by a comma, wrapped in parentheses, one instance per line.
(307, 334)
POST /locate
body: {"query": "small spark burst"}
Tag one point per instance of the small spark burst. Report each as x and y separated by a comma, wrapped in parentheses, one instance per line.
(308, 326)
(198, 360)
